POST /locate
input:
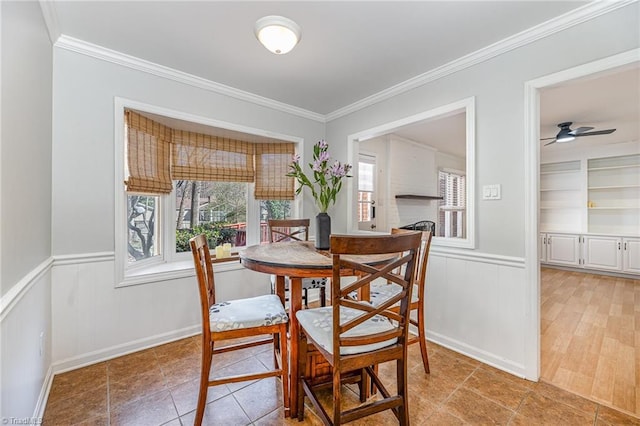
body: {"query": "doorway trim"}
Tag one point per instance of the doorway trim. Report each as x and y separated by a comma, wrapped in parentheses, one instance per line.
(532, 194)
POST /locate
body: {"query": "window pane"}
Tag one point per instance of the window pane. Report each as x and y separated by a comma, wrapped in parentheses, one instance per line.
(216, 209)
(451, 209)
(365, 176)
(142, 227)
(273, 209)
(364, 206)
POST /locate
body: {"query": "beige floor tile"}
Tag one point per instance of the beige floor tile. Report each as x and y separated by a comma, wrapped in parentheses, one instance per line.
(155, 409)
(223, 411)
(476, 409)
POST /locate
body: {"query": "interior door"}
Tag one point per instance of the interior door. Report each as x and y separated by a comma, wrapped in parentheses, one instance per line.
(367, 172)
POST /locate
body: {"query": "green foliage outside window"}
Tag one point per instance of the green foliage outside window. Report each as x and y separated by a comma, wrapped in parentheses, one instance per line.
(216, 234)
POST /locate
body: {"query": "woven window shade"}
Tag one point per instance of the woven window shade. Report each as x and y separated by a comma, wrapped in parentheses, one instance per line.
(272, 165)
(148, 155)
(196, 156)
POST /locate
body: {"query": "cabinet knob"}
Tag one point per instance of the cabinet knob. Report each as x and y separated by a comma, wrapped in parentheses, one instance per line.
(618, 246)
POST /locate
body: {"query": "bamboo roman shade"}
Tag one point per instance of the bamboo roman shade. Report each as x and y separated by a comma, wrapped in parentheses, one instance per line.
(148, 155)
(272, 165)
(203, 157)
(157, 155)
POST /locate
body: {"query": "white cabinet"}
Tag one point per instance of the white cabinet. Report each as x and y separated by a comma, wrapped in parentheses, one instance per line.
(596, 252)
(601, 252)
(631, 255)
(542, 255)
(563, 249)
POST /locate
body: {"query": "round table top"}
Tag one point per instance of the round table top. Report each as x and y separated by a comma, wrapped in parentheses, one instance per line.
(297, 258)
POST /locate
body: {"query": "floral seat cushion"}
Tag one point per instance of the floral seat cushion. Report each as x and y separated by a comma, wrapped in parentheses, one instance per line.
(318, 323)
(383, 291)
(247, 313)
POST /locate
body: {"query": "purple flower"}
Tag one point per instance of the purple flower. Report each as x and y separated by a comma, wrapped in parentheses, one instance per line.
(322, 144)
(324, 156)
(295, 158)
(337, 170)
(317, 166)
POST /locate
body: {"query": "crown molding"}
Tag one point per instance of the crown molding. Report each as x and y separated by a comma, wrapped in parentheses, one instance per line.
(50, 19)
(118, 58)
(555, 25)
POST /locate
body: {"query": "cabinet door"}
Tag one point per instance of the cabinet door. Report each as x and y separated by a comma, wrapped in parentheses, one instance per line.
(631, 256)
(563, 249)
(542, 255)
(603, 253)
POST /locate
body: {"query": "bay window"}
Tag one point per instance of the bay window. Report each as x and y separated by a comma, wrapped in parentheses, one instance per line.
(180, 183)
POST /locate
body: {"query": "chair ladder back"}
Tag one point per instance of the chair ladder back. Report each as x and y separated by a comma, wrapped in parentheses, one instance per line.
(288, 230)
(407, 244)
(423, 259)
(204, 275)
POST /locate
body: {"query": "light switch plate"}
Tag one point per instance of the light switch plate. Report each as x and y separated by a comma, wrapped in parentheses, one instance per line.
(491, 192)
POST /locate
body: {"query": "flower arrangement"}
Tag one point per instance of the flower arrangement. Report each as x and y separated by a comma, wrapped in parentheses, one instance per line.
(327, 178)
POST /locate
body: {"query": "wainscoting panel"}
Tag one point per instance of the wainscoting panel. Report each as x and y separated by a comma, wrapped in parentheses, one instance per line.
(93, 320)
(477, 307)
(25, 342)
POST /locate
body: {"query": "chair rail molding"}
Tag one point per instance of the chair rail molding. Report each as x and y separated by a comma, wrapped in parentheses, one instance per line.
(22, 287)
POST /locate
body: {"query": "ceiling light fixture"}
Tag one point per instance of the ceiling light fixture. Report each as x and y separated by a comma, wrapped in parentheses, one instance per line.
(277, 33)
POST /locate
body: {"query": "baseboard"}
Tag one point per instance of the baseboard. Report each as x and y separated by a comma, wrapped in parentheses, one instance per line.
(38, 412)
(479, 355)
(122, 349)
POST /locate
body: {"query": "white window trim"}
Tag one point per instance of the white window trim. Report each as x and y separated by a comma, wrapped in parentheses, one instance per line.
(169, 264)
(468, 105)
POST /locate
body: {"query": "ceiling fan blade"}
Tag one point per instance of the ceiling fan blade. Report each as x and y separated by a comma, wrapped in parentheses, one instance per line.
(547, 139)
(553, 141)
(597, 132)
(581, 130)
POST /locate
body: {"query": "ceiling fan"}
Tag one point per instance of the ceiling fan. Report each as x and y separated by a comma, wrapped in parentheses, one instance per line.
(567, 135)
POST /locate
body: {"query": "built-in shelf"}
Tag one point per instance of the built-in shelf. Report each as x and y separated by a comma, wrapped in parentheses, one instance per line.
(419, 197)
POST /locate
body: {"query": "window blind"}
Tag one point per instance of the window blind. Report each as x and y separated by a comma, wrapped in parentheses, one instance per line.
(272, 165)
(157, 154)
(196, 156)
(148, 155)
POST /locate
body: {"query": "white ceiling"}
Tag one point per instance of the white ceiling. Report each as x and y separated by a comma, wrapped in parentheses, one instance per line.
(349, 50)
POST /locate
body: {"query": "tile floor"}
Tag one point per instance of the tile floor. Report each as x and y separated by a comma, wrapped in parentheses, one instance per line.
(159, 386)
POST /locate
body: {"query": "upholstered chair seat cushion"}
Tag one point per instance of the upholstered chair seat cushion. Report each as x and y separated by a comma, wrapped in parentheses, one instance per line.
(247, 313)
(383, 291)
(318, 324)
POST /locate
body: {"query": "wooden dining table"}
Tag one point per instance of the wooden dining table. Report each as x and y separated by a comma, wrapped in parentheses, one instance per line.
(297, 260)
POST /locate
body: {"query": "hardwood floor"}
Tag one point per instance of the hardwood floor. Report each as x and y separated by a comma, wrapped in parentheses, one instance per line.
(590, 336)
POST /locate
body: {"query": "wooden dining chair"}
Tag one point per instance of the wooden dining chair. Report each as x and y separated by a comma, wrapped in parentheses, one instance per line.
(382, 291)
(236, 319)
(280, 230)
(354, 335)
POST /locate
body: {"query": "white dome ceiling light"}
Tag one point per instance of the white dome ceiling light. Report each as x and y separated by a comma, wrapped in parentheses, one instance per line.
(277, 33)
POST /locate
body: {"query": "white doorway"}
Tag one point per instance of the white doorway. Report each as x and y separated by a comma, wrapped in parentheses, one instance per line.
(532, 133)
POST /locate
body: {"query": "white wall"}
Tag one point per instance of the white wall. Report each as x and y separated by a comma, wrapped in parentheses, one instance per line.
(498, 87)
(412, 170)
(92, 319)
(25, 209)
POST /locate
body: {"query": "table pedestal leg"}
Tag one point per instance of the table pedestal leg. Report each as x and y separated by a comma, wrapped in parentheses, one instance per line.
(295, 304)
